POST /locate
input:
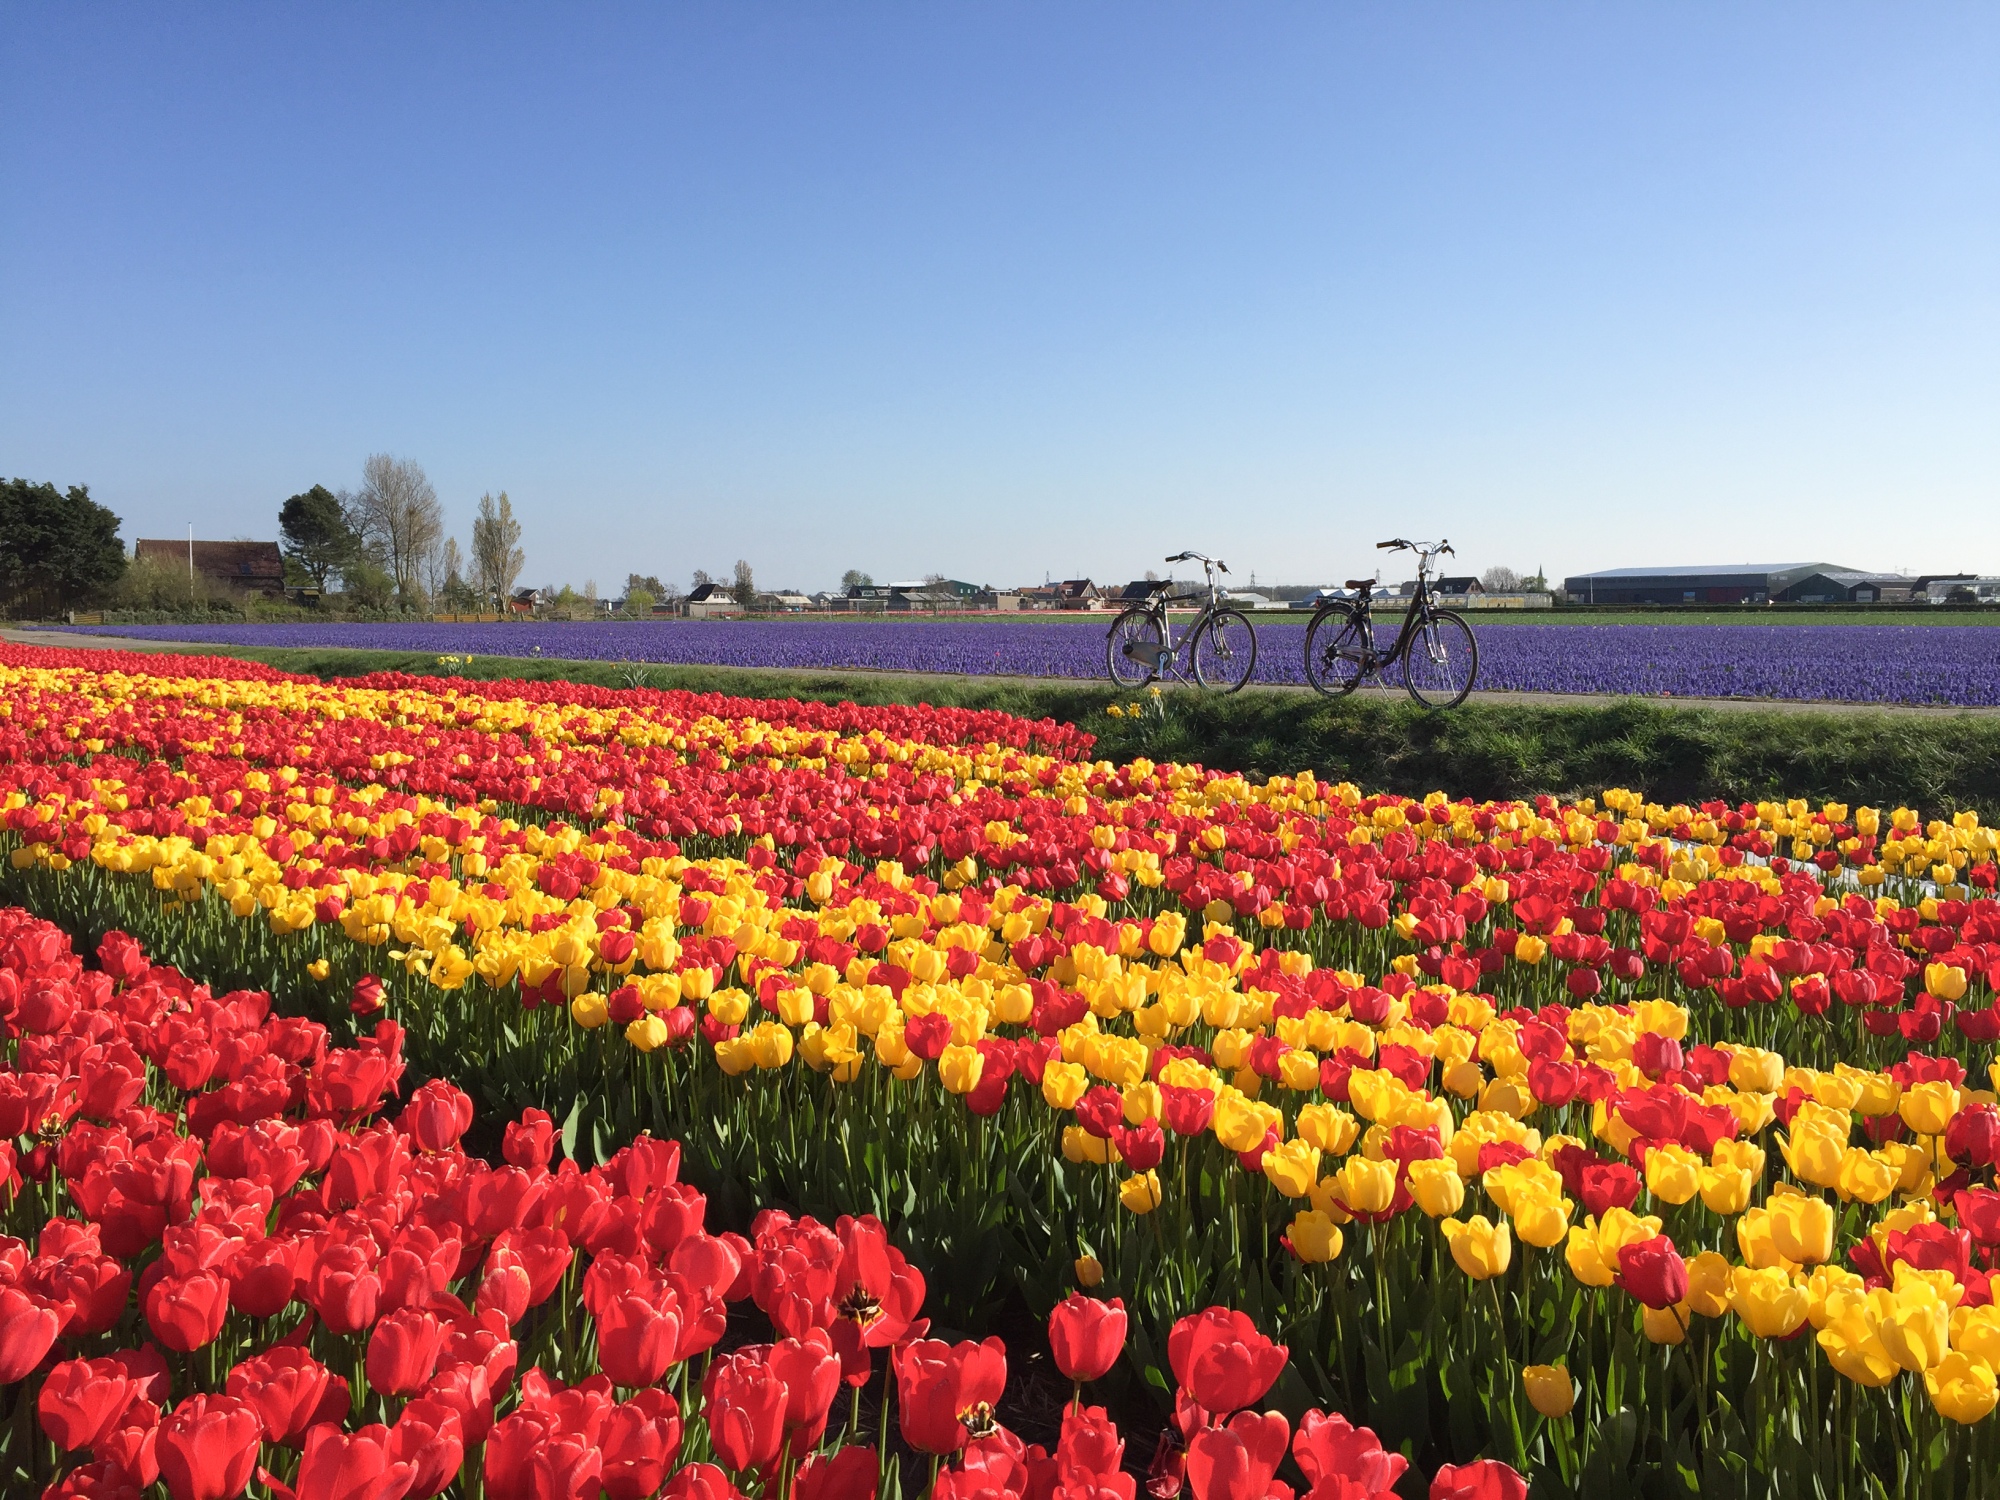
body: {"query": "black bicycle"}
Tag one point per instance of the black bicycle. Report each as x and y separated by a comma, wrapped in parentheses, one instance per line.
(1222, 645)
(1439, 655)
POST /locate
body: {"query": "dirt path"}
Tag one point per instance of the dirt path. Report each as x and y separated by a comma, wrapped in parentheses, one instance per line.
(77, 641)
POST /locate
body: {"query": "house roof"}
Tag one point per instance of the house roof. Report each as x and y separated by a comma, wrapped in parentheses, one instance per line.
(242, 562)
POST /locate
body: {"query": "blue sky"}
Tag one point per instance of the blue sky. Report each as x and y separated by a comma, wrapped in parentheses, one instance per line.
(999, 291)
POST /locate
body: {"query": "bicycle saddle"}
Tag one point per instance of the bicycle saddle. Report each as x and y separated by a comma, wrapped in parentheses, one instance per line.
(1364, 584)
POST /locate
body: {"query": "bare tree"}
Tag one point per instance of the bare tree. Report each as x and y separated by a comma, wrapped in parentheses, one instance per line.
(497, 558)
(1500, 580)
(443, 566)
(399, 518)
(745, 586)
(701, 576)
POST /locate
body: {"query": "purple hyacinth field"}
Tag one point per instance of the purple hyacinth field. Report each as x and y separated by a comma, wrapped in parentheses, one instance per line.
(1957, 665)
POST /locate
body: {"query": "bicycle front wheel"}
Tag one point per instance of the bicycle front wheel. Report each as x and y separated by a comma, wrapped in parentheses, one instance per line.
(1134, 648)
(1441, 661)
(1338, 649)
(1225, 653)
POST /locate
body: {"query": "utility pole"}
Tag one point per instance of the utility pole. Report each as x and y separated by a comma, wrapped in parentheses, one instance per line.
(190, 565)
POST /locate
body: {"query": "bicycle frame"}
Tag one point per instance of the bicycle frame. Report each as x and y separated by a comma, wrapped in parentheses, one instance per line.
(1169, 649)
(1418, 613)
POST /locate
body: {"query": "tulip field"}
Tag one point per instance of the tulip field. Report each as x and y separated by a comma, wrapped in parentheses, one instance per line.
(1921, 664)
(535, 1091)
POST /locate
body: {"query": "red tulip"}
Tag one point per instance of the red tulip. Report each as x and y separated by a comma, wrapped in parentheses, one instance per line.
(367, 997)
(638, 1337)
(512, 1448)
(262, 1276)
(530, 1141)
(1483, 1479)
(877, 1296)
(1090, 1451)
(700, 1481)
(744, 1401)
(1237, 1462)
(1979, 1212)
(1331, 1447)
(848, 1474)
(290, 1391)
(1605, 1185)
(403, 1351)
(1087, 1336)
(947, 1389)
(28, 1327)
(81, 1399)
(428, 1437)
(1221, 1360)
(437, 1115)
(811, 1373)
(208, 1447)
(130, 1450)
(1653, 1271)
(352, 1466)
(640, 1439)
(344, 1288)
(186, 1312)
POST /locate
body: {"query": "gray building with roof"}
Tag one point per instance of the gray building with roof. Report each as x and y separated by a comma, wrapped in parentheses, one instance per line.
(1747, 583)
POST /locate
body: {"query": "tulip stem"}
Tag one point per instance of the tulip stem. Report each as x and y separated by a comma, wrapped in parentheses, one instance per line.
(1507, 1379)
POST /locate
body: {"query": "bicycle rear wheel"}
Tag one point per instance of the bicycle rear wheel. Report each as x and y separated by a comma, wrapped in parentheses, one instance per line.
(1338, 646)
(1225, 653)
(1441, 661)
(1134, 628)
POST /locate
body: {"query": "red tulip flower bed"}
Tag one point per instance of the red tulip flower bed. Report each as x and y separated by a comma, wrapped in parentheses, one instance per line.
(241, 1261)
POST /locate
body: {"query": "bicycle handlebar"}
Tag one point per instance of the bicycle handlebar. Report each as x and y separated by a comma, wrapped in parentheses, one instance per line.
(1200, 558)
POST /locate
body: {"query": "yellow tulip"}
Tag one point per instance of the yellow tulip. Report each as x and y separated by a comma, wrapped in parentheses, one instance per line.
(1976, 1330)
(1481, 1249)
(1089, 1272)
(1551, 1389)
(1664, 1325)
(1801, 1228)
(1315, 1238)
(1769, 1303)
(1915, 1323)
(1928, 1107)
(1963, 1387)
(1673, 1173)
(1865, 1176)
(588, 1010)
(1708, 1284)
(1331, 1130)
(1946, 981)
(1063, 1083)
(647, 1033)
(1540, 1218)
(1726, 1190)
(960, 1068)
(1079, 1145)
(1140, 1192)
(1854, 1347)
(1438, 1189)
(1292, 1167)
(1364, 1186)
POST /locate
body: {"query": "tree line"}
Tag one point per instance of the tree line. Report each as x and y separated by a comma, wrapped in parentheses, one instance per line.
(387, 544)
